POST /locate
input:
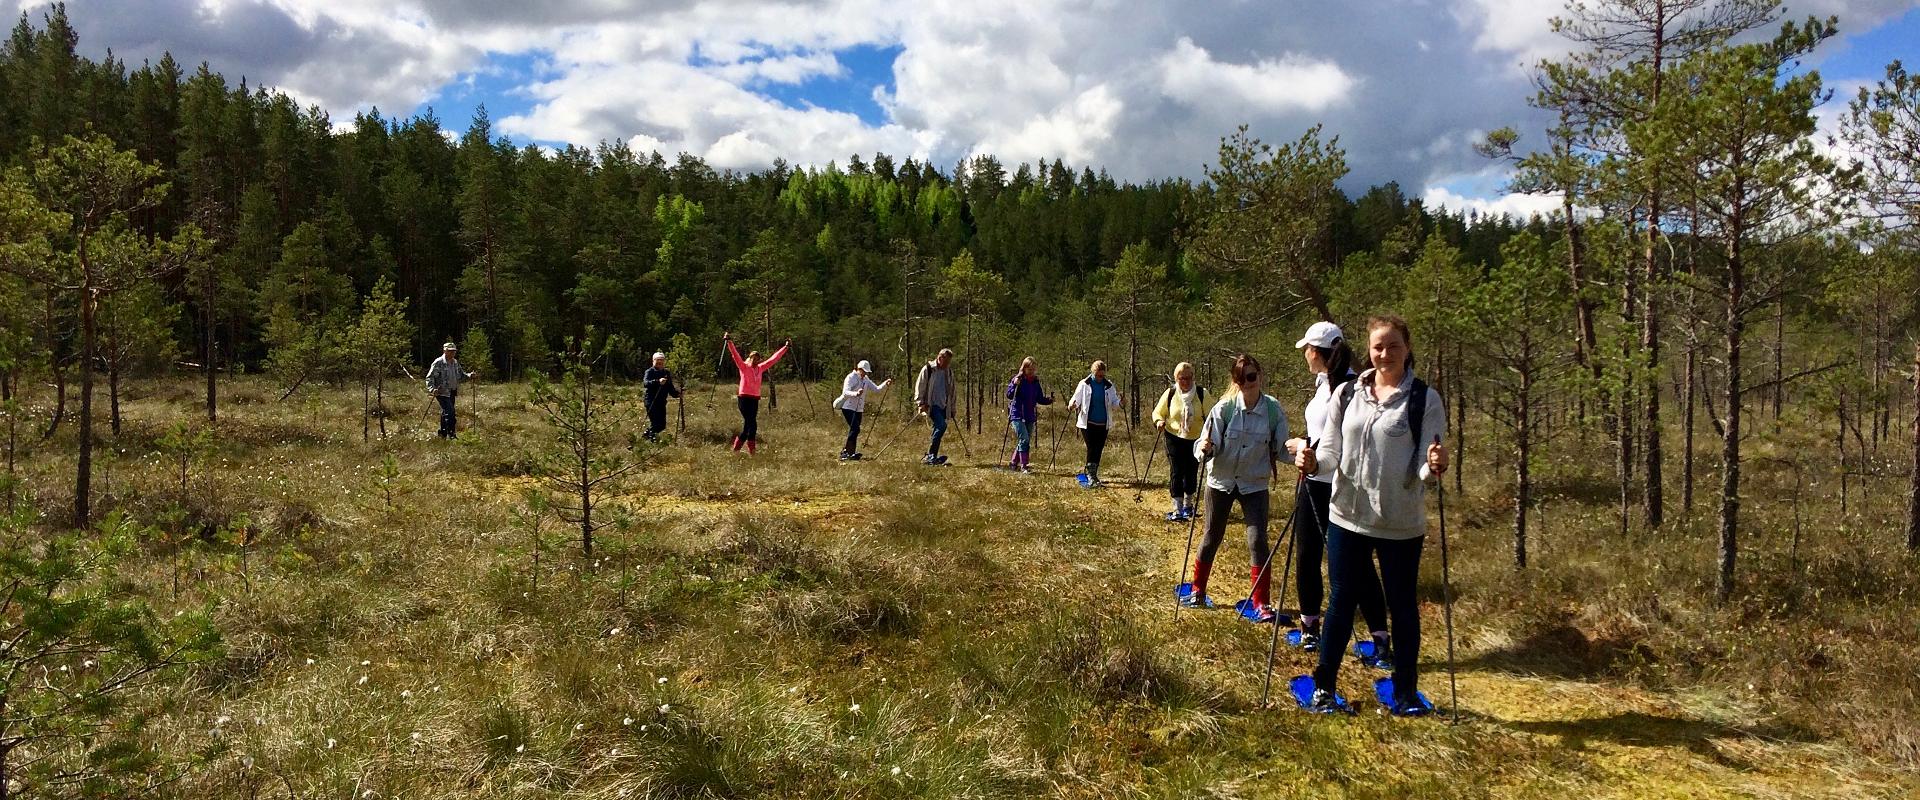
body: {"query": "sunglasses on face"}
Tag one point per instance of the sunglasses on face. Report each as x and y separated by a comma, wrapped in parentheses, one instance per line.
(1250, 377)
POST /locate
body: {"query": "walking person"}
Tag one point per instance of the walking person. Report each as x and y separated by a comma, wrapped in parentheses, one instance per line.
(752, 372)
(658, 381)
(1381, 448)
(1245, 435)
(1178, 416)
(852, 403)
(443, 382)
(1330, 359)
(935, 395)
(1024, 398)
(1097, 401)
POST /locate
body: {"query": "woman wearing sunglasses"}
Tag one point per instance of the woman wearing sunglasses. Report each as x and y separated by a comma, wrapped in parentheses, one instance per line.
(1244, 437)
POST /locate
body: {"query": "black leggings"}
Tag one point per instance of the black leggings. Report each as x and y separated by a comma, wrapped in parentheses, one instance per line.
(1310, 528)
(657, 415)
(1182, 466)
(853, 429)
(1096, 444)
(1350, 559)
(1252, 506)
(749, 418)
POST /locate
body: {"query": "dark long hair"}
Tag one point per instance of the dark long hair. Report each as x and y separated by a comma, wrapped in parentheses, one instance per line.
(1339, 361)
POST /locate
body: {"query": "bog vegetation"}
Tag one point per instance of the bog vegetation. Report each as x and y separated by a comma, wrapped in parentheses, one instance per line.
(236, 563)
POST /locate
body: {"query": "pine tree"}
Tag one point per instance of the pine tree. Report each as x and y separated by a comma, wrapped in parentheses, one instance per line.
(304, 307)
(97, 189)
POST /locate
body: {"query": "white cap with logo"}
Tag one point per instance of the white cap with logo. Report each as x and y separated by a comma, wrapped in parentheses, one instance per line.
(1321, 334)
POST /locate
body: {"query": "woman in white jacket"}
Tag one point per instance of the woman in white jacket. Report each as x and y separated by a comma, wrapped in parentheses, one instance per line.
(1098, 402)
(1381, 426)
(853, 405)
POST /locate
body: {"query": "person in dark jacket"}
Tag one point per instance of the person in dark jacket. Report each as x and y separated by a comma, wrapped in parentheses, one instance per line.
(1024, 397)
(659, 387)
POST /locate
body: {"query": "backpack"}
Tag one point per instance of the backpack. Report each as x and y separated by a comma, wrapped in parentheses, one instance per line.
(1416, 419)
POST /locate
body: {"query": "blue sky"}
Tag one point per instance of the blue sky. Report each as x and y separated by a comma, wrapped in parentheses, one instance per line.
(1143, 88)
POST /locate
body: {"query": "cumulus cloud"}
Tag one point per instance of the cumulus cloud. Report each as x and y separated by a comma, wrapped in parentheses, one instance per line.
(1193, 77)
(1518, 206)
(1144, 88)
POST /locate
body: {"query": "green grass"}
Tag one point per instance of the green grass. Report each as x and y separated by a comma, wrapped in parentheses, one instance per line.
(785, 625)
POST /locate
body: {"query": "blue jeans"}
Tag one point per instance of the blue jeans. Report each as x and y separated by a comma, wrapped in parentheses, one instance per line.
(1350, 564)
(1023, 436)
(939, 416)
(446, 415)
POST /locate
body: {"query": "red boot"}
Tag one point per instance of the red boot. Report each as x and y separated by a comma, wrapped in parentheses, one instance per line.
(751, 447)
(1202, 570)
(736, 444)
(1262, 591)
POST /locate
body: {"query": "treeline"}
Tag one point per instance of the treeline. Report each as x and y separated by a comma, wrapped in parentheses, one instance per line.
(1710, 262)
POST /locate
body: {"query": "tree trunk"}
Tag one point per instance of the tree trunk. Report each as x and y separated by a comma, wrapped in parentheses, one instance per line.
(83, 471)
(1523, 480)
(380, 403)
(58, 369)
(1780, 357)
(1687, 414)
(113, 393)
(1730, 441)
(1913, 504)
(1650, 318)
(210, 323)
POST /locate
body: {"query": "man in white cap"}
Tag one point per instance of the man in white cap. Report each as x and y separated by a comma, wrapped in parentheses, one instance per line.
(443, 382)
(659, 386)
(852, 403)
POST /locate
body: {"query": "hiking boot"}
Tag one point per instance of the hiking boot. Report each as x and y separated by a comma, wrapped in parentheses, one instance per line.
(753, 447)
(1410, 706)
(1310, 642)
(1196, 600)
(1325, 702)
(855, 456)
(1382, 656)
(927, 459)
(939, 461)
(844, 455)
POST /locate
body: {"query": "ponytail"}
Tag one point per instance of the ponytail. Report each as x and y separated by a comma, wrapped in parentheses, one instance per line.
(1339, 361)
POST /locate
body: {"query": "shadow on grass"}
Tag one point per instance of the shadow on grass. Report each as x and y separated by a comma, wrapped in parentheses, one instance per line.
(1562, 651)
(1639, 729)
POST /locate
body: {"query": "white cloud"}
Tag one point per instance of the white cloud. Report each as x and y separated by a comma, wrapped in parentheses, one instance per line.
(1192, 76)
(1518, 206)
(1144, 88)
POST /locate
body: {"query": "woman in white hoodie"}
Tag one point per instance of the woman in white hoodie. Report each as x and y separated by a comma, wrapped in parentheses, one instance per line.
(1098, 401)
(1381, 425)
(853, 405)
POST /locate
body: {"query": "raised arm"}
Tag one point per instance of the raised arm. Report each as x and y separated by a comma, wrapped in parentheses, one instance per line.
(777, 355)
(738, 362)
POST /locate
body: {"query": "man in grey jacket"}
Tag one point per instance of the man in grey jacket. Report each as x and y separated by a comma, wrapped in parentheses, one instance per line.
(934, 394)
(443, 382)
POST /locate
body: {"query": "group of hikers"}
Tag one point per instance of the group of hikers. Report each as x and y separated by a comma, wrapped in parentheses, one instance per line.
(1371, 447)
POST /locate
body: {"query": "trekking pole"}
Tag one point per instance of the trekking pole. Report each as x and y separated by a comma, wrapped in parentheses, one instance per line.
(1003, 441)
(1152, 453)
(1446, 594)
(1191, 521)
(1054, 460)
(1273, 641)
(896, 435)
(876, 410)
(1132, 457)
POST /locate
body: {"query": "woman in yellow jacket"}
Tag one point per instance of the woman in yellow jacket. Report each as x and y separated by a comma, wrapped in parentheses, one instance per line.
(1178, 416)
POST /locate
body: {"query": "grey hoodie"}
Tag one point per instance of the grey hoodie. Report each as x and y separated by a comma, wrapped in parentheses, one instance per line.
(1367, 454)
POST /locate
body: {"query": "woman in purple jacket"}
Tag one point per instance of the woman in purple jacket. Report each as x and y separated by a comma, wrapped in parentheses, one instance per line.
(1024, 395)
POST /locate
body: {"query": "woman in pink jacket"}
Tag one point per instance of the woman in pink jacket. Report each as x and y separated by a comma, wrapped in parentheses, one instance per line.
(752, 372)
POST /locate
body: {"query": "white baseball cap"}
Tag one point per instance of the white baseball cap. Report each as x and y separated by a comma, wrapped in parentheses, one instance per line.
(658, 354)
(1321, 334)
(864, 366)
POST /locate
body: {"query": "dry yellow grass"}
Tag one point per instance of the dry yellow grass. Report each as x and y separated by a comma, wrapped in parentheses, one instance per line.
(786, 625)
